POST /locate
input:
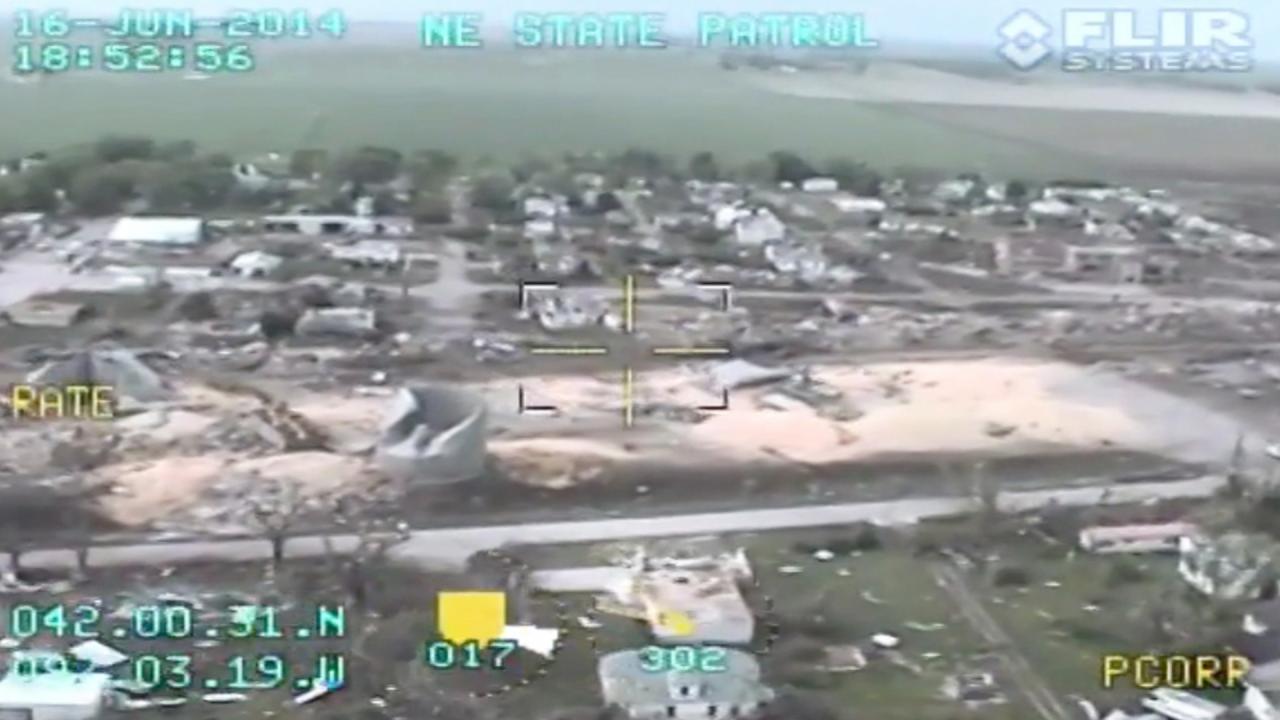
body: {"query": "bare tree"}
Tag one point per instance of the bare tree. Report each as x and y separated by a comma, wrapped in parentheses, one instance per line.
(26, 516)
(79, 525)
(986, 492)
(371, 519)
(1237, 469)
(13, 543)
(275, 512)
(405, 269)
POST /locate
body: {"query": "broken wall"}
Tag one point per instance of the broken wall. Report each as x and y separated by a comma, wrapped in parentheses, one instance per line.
(434, 435)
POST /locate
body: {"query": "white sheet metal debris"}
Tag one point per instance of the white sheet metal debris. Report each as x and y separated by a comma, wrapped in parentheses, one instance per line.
(739, 373)
(98, 654)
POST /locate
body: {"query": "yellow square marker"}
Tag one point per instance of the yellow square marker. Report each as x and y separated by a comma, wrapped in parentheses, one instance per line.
(464, 616)
(676, 623)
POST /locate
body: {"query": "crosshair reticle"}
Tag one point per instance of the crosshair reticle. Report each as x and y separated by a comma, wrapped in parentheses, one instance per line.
(527, 289)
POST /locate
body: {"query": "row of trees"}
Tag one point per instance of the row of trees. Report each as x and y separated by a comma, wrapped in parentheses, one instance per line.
(103, 177)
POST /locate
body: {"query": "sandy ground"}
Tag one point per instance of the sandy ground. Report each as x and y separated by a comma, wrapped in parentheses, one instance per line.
(147, 491)
(901, 83)
(157, 485)
(998, 407)
(144, 492)
(1005, 407)
(351, 423)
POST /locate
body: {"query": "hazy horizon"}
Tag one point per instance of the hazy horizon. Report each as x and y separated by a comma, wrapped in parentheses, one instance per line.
(962, 25)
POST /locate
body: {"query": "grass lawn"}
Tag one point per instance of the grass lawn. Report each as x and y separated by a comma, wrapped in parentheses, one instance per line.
(883, 591)
(1074, 612)
(1075, 608)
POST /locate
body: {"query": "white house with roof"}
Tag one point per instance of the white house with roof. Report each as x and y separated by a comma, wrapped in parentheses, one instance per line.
(172, 232)
(628, 681)
(1149, 538)
(368, 253)
(820, 185)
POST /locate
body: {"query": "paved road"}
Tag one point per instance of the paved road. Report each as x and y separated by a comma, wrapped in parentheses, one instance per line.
(450, 547)
(453, 296)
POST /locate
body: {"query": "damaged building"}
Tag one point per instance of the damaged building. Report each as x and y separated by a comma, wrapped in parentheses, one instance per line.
(368, 253)
(434, 435)
(338, 321)
(1122, 264)
(116, 368)
(315, 225)
(44, 313)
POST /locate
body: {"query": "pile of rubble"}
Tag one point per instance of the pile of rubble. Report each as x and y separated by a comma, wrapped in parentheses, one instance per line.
(567, 311)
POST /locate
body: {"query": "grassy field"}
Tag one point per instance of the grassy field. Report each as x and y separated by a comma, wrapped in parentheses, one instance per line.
(506, 104)
(1075, 610)
(499, 104)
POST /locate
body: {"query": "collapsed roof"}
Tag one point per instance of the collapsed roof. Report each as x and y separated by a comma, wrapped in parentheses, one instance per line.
(114, 367)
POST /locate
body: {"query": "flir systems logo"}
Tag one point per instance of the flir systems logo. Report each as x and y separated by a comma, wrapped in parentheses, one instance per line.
(1119, 41)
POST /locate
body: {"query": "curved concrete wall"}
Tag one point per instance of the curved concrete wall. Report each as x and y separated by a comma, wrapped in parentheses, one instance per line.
(434, 435)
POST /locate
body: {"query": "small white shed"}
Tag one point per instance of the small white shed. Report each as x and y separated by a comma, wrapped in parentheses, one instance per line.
(53, 696)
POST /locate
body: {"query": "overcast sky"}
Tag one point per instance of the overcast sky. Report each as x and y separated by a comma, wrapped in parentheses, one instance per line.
(958, 22)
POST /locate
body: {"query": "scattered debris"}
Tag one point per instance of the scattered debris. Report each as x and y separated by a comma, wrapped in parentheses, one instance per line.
(98, 655)
(345, 322)
(738, 373)
(998, 430)
(224, 698)
(974, 687)
(843, 659)
(886, 641)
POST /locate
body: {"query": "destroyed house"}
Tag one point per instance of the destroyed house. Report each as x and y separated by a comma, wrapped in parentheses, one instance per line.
(42, 313)
(117, 368)
(1181, 705)
(708, 602)
(1231, 567)
(317, 225)
(338, 321)
(1121, 264)
(735, 691)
